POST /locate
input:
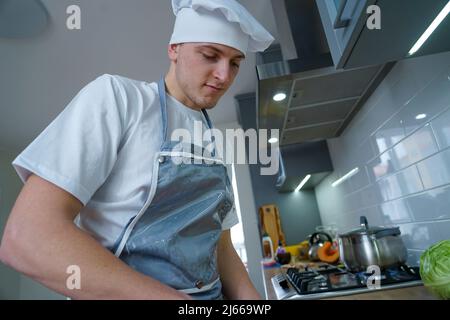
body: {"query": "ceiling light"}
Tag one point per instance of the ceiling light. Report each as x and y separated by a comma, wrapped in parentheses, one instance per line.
(273, 140)
(430, 29)
(279, 96)
(305, 180)
(345, 177)
(421, 116)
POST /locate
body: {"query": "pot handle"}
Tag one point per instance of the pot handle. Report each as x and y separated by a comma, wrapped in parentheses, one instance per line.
(388, 232)
(363, 222)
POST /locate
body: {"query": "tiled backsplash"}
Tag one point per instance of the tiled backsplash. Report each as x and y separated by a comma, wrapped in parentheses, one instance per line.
(400, 141)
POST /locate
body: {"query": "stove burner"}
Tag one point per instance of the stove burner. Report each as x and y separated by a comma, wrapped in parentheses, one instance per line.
(393, 275)
(331, 278)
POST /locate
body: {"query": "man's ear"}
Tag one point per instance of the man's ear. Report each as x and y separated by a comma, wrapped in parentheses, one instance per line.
(172, 52)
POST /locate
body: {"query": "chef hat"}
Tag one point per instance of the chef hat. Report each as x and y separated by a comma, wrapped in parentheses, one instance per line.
(218, 21)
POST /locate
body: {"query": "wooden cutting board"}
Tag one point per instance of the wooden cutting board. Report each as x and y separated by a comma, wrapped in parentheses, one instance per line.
(270, 222)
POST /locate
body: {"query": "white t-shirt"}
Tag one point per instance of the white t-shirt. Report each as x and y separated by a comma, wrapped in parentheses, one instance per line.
(101, 148)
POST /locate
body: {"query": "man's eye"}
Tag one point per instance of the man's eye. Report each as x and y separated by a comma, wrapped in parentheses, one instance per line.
(236, 65)
(209, 57)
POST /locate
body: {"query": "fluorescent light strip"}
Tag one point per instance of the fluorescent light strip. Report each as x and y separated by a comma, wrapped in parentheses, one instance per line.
(444, 12)
(305, 180)
(345, 177)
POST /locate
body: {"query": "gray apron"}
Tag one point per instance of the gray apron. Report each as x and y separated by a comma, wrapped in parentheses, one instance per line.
(173, 238)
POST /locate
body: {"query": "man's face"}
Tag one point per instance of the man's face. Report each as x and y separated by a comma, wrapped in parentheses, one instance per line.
(205, 71)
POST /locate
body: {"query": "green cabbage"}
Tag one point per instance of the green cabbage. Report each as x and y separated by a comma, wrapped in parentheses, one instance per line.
(435, 268)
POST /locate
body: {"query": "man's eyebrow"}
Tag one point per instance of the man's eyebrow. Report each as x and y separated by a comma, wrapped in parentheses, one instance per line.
(239, 56)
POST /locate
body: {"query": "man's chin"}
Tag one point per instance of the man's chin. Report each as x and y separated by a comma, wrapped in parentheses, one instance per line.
(209, 103)
(213, 104)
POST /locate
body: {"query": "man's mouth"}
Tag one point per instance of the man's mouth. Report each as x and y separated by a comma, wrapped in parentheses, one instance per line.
(214, 88)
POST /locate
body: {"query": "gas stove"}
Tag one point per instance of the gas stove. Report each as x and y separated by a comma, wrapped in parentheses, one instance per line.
(329, 281)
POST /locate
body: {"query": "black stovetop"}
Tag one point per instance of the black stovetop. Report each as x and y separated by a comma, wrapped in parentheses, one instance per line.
(330, 278)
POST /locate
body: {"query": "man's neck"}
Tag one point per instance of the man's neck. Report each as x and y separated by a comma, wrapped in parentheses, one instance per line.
(175, 91)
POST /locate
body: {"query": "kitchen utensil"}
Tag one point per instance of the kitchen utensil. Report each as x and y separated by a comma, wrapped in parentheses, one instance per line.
(283, 257)
(331, 230)
(315, 241)
(368, 246)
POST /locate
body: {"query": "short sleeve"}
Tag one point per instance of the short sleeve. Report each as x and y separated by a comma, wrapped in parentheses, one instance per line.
(78, 149)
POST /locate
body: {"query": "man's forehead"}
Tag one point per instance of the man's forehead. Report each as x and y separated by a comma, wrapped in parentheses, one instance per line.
(222, 49)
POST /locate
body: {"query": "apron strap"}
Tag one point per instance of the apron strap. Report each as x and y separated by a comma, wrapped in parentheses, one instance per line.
(163, 106)
(208, 121)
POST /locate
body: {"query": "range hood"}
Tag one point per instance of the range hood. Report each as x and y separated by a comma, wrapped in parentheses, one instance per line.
(321, 101)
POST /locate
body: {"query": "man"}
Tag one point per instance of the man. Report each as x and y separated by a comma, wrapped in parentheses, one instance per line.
(146, 227)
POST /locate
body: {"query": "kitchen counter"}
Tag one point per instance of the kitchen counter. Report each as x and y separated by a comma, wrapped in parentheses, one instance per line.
(416, 292)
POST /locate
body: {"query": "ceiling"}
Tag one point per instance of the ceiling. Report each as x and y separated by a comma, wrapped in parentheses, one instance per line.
(41, 74)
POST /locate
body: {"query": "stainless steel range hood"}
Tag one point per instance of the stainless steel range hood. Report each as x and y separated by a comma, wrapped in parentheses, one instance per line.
(321, 101)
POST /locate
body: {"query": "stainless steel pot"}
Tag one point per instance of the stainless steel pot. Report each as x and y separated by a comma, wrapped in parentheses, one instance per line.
(366, 246)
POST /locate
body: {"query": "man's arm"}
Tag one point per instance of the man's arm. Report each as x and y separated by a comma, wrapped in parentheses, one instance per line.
(41, 241)
(235, 280)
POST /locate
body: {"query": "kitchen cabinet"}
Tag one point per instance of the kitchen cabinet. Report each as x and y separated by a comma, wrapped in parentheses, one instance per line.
(401, 23)
(342, 21)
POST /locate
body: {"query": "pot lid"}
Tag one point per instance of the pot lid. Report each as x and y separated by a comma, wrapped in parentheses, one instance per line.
(379, 232)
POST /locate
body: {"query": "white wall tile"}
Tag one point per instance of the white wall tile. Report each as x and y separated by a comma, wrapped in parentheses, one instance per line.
(422, 69)
(400, 184)
(373, 215)
(396, 211)
(334, 206)
(414, 257)
(432, 100)
(430, 205)
(380, 166)
(389, 104)
(388, 135)
(443, 230)
(441, 129)
(406, 161)
(354, 201)
(419, 235)
(359, 180)
(416, 147)
(435, 171)
(370, 196)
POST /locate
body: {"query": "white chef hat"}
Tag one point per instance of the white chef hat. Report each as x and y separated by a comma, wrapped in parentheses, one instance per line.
(218, 21)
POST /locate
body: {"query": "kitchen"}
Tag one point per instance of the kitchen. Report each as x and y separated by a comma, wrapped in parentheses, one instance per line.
(355, 107)
(385, 121)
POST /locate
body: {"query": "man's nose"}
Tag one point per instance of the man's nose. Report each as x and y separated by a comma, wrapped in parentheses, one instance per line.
(222, 72)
